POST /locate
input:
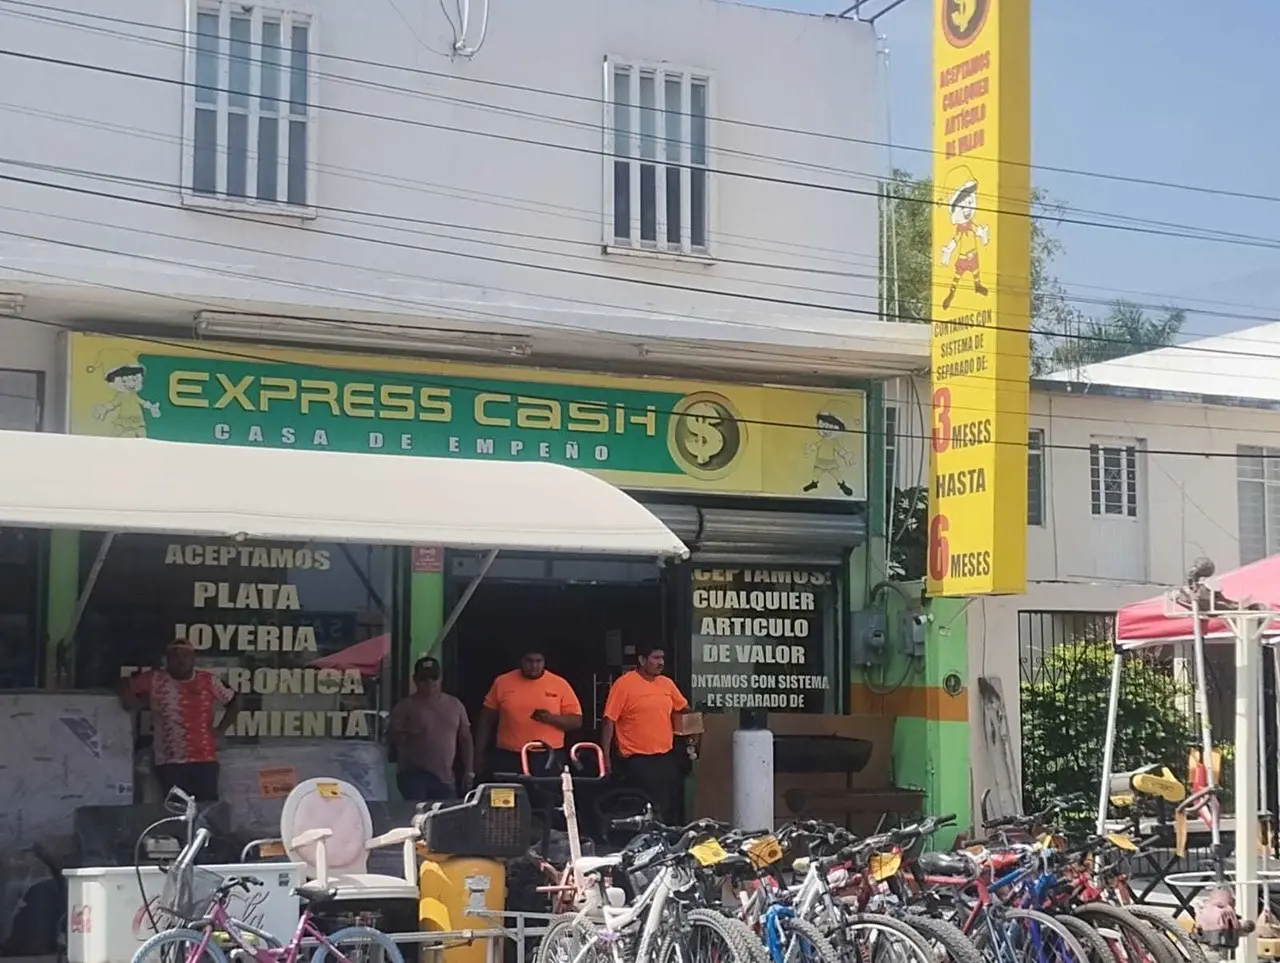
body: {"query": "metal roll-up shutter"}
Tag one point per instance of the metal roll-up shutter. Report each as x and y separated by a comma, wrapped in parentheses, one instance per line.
(757, 535)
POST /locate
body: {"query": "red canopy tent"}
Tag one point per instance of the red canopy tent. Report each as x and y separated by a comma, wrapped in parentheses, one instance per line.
(366, 657)
(1240, 608)
(1161, 620)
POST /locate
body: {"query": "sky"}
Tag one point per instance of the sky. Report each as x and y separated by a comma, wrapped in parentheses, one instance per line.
(1167, 90)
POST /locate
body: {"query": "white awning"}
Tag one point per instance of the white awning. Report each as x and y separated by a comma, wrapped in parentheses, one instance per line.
(140, 485)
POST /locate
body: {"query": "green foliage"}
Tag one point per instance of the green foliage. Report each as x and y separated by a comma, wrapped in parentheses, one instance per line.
(910, 533)
(911, 226)
(1127, 329)
(1064, 720)
(1063, 336)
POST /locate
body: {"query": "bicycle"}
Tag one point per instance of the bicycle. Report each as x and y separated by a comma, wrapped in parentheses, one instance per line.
(204, 938)
(626, 931)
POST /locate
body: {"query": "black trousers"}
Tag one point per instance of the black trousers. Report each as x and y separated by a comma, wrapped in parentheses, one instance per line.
(658, 777)
(418, 785)
(196, 779)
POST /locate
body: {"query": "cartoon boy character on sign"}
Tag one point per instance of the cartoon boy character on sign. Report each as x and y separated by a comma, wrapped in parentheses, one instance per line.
(962, 205)
(124, 375)
(830, 455)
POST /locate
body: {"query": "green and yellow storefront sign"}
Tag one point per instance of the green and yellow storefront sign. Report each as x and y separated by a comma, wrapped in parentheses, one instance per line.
(641, 433)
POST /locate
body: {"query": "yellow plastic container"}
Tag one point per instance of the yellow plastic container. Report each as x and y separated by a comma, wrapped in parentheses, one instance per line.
(451, 889)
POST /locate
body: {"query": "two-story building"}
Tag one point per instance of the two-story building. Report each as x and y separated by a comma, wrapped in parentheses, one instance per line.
(640, 239)
(1136, 468)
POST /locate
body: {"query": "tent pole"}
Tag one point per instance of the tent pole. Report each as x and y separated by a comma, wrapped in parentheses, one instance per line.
(1247, 631)
(1206, 729)
(1275, 748)
(1109, 742)
(82, 602)
(456, 613)
(1264, 801)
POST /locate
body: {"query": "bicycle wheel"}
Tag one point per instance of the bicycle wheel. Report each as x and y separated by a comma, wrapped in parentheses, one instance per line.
(1098, 949)
(759, 952)
(1129, 937)
(707, 937)
(569, 940)
(804, 943)
(946, 940)
(358, 944)
(1187, 949)
(1008, 934)
(179, 946)
(877, 938)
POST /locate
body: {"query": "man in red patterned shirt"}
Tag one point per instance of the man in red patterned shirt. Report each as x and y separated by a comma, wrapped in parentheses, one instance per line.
(183, 701)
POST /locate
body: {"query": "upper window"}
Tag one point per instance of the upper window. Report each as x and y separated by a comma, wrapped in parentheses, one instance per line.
(1035, 476)
(1113, 480)
(1258, 495)
(20, 393)
(251, 124)
(657, 185)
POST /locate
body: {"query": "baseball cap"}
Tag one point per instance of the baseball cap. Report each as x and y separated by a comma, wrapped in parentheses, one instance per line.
(426, 668)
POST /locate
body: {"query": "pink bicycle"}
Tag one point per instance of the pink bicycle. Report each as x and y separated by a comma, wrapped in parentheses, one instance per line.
(217, 937)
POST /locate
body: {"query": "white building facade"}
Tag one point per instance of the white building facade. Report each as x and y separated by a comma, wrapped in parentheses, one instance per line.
(572, 180)
(223, 221)
(1136, 468)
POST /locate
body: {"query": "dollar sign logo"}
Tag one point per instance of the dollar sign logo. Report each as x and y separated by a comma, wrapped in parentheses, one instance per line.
(704, 439)
(962, 12)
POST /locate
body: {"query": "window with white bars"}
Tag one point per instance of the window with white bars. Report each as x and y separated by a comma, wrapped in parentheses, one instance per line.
(890, 452)
(1113, 480)
(657, 182)
(1258, 497)
(1035, 476)
(251, 115)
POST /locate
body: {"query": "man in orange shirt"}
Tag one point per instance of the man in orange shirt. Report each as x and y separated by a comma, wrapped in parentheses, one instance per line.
(529, 704)
(638, 713)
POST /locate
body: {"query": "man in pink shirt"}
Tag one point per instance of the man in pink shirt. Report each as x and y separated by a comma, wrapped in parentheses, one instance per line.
(431, 734)
(183, 702)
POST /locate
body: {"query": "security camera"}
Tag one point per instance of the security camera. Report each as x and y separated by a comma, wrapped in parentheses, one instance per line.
(922, 618)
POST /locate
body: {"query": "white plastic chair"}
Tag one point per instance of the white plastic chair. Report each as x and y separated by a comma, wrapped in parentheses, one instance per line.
(326, 825)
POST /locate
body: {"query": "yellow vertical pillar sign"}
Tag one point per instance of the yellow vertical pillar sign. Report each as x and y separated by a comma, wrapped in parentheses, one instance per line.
(981, 297)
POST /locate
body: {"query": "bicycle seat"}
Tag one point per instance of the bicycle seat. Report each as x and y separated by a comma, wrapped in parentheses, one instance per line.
(593, 864)
(313, 893)
(946, 864)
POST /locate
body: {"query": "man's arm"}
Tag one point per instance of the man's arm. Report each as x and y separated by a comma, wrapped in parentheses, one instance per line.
(231, 714)
(484, 729)
(678, 702)
(568, 718)
(398, 725)
(606, 741)
(134, 690)
(563, 722)
(232, 703)
(466, 751)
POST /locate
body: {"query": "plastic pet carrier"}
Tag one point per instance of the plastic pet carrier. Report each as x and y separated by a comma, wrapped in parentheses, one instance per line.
(492, 820)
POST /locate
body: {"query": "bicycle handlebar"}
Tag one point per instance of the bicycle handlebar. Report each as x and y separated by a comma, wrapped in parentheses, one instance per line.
(244, 883)
(1055, 807)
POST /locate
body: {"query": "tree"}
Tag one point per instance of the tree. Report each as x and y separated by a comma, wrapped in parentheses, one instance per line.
(1064, 719)
(1127, 329)
(906, 281)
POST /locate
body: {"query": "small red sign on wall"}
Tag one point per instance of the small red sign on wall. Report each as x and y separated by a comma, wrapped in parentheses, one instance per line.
(428, 558)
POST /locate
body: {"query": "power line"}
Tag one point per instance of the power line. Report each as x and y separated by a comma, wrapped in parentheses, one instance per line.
(1177, 230)
(559, 269)
(387, 327)
(594, 218)
(600, 101)
(1186, 232)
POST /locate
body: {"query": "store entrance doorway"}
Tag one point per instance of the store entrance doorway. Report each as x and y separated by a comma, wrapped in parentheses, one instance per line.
(586, 616)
